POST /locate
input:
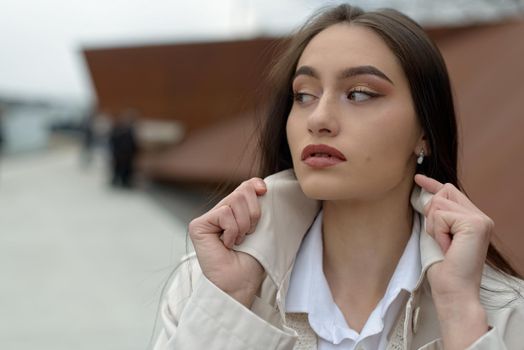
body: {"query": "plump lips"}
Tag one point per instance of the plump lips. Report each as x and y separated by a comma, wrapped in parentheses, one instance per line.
(321, 156)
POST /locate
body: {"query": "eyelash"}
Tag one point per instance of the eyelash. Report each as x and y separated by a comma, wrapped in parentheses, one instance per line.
(298, 95)
(371, 94)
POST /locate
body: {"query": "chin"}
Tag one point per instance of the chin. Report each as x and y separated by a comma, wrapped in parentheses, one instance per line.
(324, 187)
(319, 195)
(327, 186)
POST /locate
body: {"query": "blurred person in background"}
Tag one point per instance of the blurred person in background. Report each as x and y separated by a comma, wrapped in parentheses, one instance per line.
(359, 237)
(123, 147)
(1, 129)
(88, 140)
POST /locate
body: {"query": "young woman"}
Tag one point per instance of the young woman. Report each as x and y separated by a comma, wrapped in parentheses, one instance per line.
(344, 246)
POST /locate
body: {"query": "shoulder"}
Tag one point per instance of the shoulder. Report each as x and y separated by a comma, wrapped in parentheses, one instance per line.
(499, 286)
(502, 296)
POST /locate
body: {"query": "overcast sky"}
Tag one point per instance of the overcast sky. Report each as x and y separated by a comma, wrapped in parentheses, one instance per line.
(41, 40)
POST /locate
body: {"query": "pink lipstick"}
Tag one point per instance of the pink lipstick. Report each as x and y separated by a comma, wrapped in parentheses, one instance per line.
(321, 156)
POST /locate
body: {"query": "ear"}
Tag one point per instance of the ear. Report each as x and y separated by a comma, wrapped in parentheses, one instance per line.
(422, 144)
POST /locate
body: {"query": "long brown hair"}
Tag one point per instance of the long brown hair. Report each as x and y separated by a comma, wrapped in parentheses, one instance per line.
(425, 71)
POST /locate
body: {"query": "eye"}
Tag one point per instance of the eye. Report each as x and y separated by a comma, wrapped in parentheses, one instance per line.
(302, 97)
(360, 95)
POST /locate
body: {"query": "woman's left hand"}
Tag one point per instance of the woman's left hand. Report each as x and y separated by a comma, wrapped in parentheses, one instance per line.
(463, 232)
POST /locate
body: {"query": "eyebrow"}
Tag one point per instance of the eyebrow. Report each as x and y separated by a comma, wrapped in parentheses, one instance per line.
(344, 74)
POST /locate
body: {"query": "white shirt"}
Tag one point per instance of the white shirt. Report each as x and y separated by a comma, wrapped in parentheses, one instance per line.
(309, 293)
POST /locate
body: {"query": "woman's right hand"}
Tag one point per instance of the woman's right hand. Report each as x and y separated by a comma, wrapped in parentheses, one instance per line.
(216, 232)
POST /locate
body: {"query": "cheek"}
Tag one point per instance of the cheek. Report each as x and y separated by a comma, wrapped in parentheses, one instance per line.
(292, 133)
(388, 141)
(398, 130)
(402, 140)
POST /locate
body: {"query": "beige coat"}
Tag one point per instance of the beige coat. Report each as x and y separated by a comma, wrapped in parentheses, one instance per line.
(198, 315)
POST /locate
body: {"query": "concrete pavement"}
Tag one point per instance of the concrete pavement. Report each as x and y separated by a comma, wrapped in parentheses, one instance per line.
(81, 265)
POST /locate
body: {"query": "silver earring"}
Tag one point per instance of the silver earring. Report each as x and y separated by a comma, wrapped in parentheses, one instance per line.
(420, 158)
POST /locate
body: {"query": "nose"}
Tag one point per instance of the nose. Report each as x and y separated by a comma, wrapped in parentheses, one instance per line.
(322, 121)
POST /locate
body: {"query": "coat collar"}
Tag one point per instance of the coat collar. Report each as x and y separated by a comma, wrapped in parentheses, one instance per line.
(286, 217)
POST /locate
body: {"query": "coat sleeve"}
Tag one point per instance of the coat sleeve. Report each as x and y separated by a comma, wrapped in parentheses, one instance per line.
(198, 315)
(507, 330)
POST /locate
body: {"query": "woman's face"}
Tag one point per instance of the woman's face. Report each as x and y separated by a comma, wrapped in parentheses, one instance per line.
(352, 96)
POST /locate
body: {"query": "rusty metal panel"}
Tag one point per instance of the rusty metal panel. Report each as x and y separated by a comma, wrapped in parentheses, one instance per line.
(195, 83)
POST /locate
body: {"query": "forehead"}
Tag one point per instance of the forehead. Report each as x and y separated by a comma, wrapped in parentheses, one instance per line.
(345, 45)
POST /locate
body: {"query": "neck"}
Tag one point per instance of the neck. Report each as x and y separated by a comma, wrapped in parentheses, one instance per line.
(363, 242)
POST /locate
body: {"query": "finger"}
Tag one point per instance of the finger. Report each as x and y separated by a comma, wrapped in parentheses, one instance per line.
(443, 222)
(429, 184)
(254, 210)
(439, 202)
(446, 190)
(435, 224)
(446, 224)
(250, 190)
(227, 221)
(204, 225)
(454, 194)
(254, 213)
(259, 184)
(240, 210)
(255, 183)
(214, 226)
